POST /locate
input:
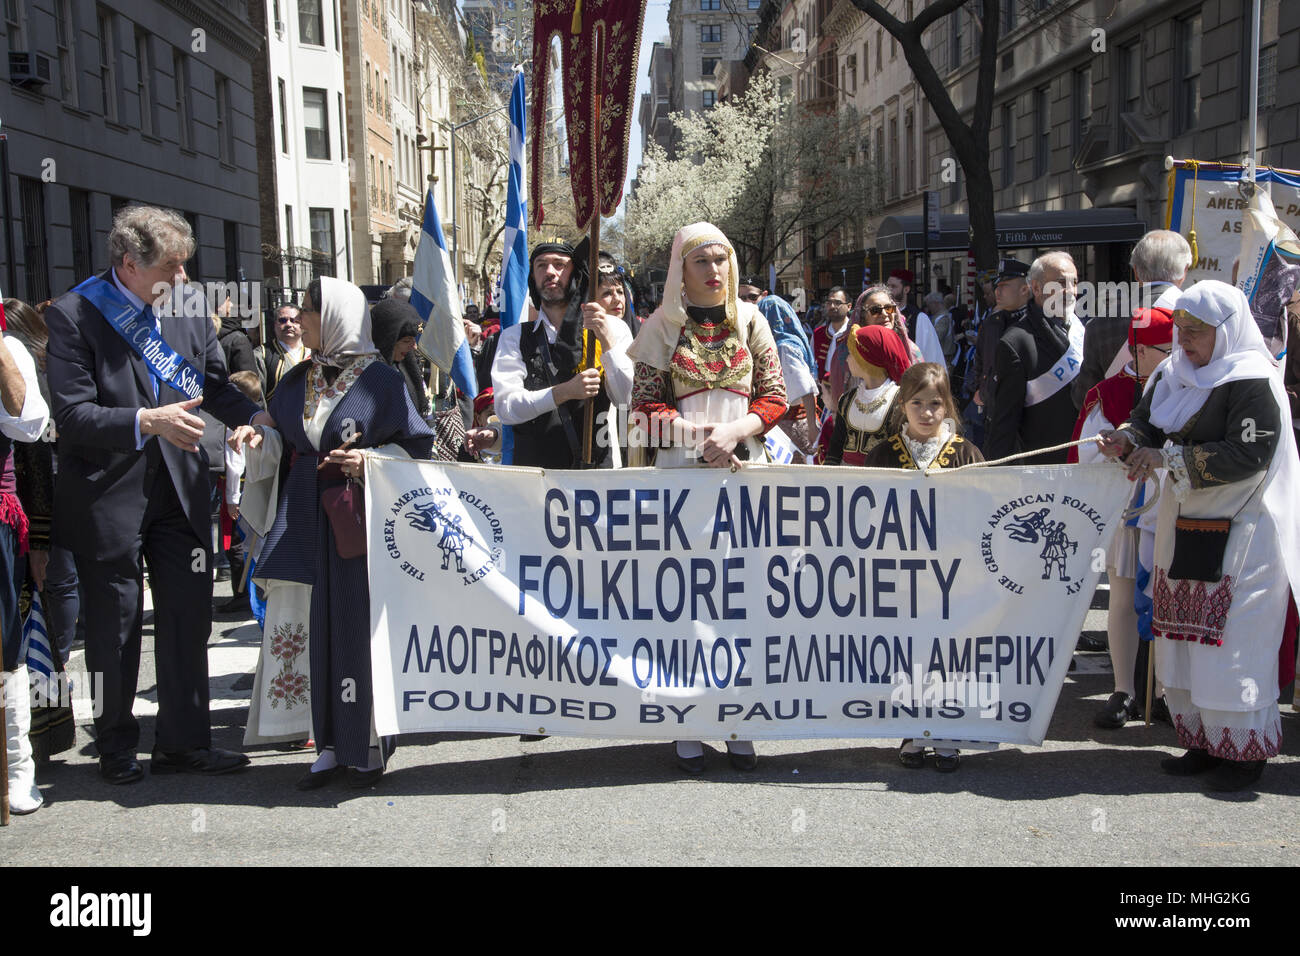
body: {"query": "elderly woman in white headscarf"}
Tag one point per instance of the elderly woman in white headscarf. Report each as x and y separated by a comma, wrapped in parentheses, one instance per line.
(707, 383)
(1227, 553)
(345, 399)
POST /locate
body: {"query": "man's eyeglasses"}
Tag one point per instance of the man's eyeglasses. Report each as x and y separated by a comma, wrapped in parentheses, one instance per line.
(878, 309)
(1156, 348)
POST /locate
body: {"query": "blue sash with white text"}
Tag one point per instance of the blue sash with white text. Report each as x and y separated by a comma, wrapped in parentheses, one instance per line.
(129, 322)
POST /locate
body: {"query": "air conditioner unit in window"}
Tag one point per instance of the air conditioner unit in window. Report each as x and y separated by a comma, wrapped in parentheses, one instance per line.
(29, 69)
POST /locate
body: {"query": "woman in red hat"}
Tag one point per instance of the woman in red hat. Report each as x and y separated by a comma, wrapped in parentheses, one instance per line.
(877, 359)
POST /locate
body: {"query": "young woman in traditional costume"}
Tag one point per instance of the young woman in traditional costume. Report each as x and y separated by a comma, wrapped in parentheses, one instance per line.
(345, 399)
(924, 436)
(877, 358)
(1227, 548)
(798, 369)
(707, 383)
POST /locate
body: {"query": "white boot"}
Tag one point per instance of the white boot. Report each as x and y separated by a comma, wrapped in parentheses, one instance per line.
(23, 795)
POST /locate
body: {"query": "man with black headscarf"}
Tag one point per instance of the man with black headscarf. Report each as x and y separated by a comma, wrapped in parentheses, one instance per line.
(536, 381)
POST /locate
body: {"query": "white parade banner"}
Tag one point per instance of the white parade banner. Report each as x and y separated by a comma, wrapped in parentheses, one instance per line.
(775, 602)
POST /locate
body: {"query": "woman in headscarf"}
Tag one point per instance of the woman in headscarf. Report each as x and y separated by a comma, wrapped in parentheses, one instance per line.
(707, 383)
(798, 368)
(344, 399)
(877, 358)
(1227, 550)
(396, 327)
(875, 306)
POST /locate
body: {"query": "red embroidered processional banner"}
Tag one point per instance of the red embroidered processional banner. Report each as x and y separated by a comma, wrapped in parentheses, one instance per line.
(599, 41)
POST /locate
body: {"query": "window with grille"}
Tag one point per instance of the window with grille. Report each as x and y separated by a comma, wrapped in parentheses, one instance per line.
(710, 4)
(1082, 104)
(36, 269)
(1129, 89)
(710, 32)
(322, 241)
(225, 122)
(708, 98)
(707, 65)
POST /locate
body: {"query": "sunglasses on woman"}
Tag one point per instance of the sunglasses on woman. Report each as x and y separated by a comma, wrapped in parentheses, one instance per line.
(878, 309)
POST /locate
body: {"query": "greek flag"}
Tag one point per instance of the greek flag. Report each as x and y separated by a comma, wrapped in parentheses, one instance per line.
(514, 274)
(36, 643)
(514, 280)
(435, 297)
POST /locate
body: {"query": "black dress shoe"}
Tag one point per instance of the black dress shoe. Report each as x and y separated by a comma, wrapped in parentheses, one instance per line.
(1118, 710)
(744, 762)
(911, 759)
(691, 765)
(223, 574)
(201, 761)
(120, 768)
(1189, 764)
(1160, 712)
(360, 779)
(314, 781)
(1232, 775)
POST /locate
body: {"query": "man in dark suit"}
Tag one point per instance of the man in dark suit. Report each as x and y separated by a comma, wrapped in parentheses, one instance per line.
(132, 481)
(1037, 358)
(1159, 261)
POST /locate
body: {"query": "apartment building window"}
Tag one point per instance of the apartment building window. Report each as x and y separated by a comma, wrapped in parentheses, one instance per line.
(1082, 104)
(144, 84)
(707, 64)
(893, 157)
(1043, 133)
(753, 4)
(710, 32)
(334, 10)
(851, 68)
(1268, 30)
(225, 121)
(879, 161)
(310, 29)
(1008, 19)
(370, 89)
(232, 250)
(83, 239)
(107, 64)
(288, 230)
(955, 39)
(388, 103)
(284, 117)
(909, 150)
(866, 65)
(880, 45)
(31, 196)
(181, 81)
(1008, 144)
(322, 241)
(316, 123)
(708, 98)
(343, 142)
(65, 30)
(710, 4)
(1187, 73)
(1128, 89)
(195, 266)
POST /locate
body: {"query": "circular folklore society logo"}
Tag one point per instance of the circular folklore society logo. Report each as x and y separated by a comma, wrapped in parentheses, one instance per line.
(468, 538)
(1037, 537)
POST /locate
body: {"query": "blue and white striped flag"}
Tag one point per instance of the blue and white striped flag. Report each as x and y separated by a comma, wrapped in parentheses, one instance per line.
(514, 271)
(36, 643)
(436, 298)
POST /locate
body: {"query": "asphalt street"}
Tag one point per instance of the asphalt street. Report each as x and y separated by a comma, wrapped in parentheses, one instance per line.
(1087, 797)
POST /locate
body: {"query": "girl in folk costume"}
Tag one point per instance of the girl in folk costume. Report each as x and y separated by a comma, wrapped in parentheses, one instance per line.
(798, 368)
(313, 562)
(1107, 406)
(707, 383)
(925, 436)
(1227, 549)
(877, 359)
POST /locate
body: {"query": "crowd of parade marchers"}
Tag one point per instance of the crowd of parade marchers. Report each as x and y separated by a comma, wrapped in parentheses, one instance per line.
(139, 436)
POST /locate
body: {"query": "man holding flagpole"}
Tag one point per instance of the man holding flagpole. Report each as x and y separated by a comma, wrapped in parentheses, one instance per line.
(540, 380)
